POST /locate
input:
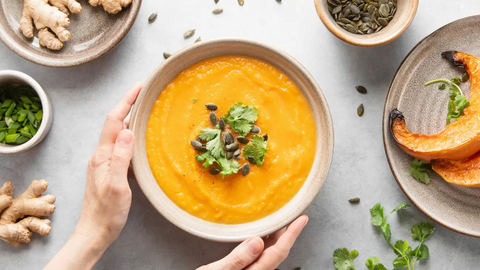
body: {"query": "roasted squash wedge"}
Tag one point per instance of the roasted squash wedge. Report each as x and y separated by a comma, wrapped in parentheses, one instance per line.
(458, 140)
(460, 172)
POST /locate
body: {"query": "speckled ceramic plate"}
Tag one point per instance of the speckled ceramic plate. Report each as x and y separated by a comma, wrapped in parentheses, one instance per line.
(425, 110)
(94, 33)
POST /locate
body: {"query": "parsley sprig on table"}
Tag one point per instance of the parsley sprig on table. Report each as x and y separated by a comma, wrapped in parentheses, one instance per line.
(419, 170)
(241, 118)
(457, 103)
(406, 256)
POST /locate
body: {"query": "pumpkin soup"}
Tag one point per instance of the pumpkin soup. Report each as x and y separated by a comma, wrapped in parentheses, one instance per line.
(179, 114)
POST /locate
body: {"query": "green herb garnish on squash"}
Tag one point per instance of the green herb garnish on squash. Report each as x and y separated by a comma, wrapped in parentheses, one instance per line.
(257, 150)
(241, 118)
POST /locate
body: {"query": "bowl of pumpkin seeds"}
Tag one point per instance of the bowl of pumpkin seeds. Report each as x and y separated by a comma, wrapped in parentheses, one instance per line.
(367, 23)
(25, 112)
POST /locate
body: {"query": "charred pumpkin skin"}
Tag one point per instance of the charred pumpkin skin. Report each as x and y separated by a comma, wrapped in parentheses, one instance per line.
(458, 140)
(460, 172)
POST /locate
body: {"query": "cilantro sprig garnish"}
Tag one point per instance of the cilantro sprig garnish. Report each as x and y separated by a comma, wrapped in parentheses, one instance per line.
(419, 170)
(256, 150)
(241, 118)
(458, 102)
(214, 144)
(406, 256)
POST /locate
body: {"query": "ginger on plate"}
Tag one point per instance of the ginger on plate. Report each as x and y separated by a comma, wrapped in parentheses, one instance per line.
(111, 6)
(48, 15)
(21, 217)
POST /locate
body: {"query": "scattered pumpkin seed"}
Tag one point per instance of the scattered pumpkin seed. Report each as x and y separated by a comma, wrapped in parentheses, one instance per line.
(265, 137)
(152, 17)
(229, 155)
(245, 169)
(231, 147)
(354, 200)
(217, 11)
(279, 1)
(241, 2)
(255, 130)
(188, 33)
(465, 77)
(213, 118)
(251, 160)
(216, 1)
(228, 138)
(361, 89)
(214, 171)
(203, 148)
(211, 106)
(221, 124)
(360, 110)
(196, 144)
(198, 139)
(198, 39)
(237, 152)
(243, 140)
(166, 55)
(237, 156)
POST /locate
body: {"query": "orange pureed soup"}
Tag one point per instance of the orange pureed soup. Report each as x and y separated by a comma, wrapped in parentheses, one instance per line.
(179, 114)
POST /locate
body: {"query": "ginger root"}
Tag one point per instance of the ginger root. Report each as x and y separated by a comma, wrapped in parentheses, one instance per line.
(111, 6)
(48, 15)
(21, 217)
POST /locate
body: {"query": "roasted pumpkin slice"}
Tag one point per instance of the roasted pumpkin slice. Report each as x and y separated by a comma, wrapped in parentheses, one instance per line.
(460, 172)
(458, 140)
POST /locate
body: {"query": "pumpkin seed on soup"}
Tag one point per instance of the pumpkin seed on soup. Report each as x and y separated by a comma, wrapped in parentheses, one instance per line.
(211, 106)
(213, 118)
(245, 169)
(214, 171)
(255, 130)
(243, 140)
(362, 16)
(221, 124)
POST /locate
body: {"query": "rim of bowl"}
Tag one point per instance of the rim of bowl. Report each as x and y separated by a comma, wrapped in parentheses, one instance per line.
(59, 63)
(317, 175)
(371, 40)
(46, 108)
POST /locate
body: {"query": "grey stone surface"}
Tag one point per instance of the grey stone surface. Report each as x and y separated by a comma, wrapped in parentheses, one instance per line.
(83, 95)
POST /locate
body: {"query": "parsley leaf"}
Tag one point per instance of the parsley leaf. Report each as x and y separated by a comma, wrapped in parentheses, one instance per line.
(208, 158)
(214, 143)
(241, 118)
(256, 150)
(418, 169)
(343, 259)
(457, 103)
(208, 134)
(377, 214)
(456, 80)
(442, 86)
(228, 166)
(371, 262)
(422, 231)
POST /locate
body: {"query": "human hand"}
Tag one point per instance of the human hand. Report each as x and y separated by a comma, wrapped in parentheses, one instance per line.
(108, 196)
(256, 254)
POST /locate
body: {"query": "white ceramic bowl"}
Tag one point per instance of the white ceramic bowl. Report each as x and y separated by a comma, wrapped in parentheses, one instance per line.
(309, 88)
(16, 77)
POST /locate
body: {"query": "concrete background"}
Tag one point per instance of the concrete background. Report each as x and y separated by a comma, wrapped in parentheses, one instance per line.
(83, 95)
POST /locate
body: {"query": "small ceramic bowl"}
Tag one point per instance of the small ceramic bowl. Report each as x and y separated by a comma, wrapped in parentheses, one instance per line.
(404, 15)
(16, 77)
(307, 85)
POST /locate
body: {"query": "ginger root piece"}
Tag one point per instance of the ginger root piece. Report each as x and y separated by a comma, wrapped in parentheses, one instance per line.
(14, 227)
(111, 6)
(47, 17)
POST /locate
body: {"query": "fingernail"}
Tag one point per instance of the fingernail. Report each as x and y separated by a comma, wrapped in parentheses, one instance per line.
(255, 245)
(125, 137)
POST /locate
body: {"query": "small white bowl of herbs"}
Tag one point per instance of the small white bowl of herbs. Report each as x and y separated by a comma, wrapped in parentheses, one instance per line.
(26, 114)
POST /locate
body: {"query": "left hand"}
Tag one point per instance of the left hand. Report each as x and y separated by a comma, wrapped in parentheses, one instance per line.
(256, 254)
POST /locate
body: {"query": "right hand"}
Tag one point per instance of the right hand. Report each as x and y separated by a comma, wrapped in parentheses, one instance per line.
(256, 254)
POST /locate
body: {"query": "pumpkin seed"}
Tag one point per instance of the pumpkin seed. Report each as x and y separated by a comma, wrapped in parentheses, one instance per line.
(361, 89)
(198, 139)
(188, 33)
(354, 8)
(213, 118)
(383, 22)
(350, 28)
(251, 160)
(243, 140)
(255, 130)
(241, 2)
(166, 55)
(360, 110)
(216, 1)
(152, 17)
(279, 1)
(198, 39)
(221, 124)
(228, 138)
(231, 147)
(265, 137)
(203, 148)
(211, 106)
(354, 200)
(214, 171)
(237, 156)
(465, 77)
(196, 144)
(229, 155)
(217, 11)
(337, 9)
(237, 152)
(245, 169)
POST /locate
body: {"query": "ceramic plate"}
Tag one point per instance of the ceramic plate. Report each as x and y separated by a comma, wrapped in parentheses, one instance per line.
(94, 33)
(425, 110)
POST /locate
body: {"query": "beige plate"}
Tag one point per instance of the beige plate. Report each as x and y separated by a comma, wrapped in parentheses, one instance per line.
(94, 33)
(204, 50)
(425, 110)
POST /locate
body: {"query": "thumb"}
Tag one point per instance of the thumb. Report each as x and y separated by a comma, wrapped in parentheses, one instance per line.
(242, 256)
(122, 154)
